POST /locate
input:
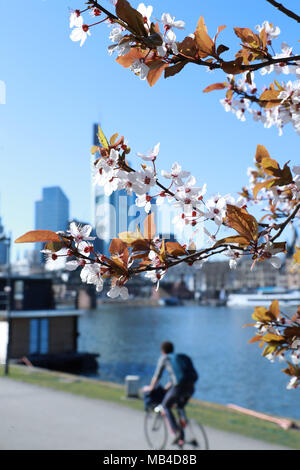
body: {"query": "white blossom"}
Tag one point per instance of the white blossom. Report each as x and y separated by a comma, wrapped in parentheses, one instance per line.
(140, 68)
(295, 357)
(176, 174)
(116, 34)
(90, 274)
(146, 12)
(216, 209)
(270, 357)
(80, 32)
(129, 182)
(144, 201)
(169, 22)
(117, 291)
(292, 383)
(234, 256)
(271, 251)
(151, 155)
(146, 179)
(76, 19)
(80, 232)
(271, 30)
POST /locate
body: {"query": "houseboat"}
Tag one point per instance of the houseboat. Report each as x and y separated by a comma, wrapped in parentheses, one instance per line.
(40, 334)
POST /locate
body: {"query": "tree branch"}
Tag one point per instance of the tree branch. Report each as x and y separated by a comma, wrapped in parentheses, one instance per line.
(197, 256)
(286, 222)
(284, 10)
(212, 66)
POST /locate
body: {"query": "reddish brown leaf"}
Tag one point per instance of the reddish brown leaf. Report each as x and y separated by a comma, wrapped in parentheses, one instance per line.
(221, 48)
(220, 29)
(255, 339)
(35, 236)
(243, 222)
(261, 152)
(175, 249)
(247, 36)
(141, 245)
(132, 17)
(174, 69)
(269, 166)
(215, 86)
(270, 338)
(274, 308)
(188, 47)
(263, 37)
(204, 42)
(269, 98)
(233, 67)
(264, 184)
(117, 246)
(156, 69)
(133, 55)
(242, 241)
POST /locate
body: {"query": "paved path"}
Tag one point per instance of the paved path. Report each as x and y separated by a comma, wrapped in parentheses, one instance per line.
(35, 418)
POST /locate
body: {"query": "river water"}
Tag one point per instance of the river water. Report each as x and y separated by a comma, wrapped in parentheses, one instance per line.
(230, 369)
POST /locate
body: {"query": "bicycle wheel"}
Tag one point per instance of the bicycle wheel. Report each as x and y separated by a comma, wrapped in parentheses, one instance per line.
(195, 436)
(155, 430)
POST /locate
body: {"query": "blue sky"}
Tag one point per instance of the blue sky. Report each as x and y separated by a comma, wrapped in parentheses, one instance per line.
(55, 90)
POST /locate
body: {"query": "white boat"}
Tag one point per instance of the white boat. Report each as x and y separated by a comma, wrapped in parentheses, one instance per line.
(263, 297)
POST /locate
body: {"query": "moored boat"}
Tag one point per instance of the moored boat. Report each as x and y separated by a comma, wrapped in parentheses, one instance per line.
(263, 297)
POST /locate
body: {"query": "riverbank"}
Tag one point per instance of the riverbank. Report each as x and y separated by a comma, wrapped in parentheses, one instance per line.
(212, 415)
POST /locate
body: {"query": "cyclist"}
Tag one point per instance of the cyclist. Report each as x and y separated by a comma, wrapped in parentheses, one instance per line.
(182, 376)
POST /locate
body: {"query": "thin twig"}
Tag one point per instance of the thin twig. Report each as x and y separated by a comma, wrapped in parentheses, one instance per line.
(285, 10)
(197, 256)
(286, 222)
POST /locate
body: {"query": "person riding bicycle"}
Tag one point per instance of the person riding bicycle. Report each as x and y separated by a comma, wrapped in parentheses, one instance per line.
(179, 389)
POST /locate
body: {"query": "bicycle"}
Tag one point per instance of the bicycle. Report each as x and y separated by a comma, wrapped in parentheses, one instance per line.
(156, 431)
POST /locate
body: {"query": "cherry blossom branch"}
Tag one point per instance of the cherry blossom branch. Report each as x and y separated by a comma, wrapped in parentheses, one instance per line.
(198, 256)
(182, 58)
(160, 185)
(253, 98)
(270, 61)
(284, 10)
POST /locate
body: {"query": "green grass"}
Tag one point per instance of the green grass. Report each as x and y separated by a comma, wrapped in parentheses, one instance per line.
(213, 415)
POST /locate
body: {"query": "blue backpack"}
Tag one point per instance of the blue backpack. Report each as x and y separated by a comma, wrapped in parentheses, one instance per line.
(184, 369)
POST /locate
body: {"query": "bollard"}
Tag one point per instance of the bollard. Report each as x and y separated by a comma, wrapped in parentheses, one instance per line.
(132, 383)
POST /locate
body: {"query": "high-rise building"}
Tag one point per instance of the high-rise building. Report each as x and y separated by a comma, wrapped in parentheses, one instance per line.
(113, 214)
(3, 246)
(52, 211)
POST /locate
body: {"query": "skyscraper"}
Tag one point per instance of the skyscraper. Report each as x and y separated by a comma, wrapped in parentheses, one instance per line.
(3, 247)
(52, 211)
(112, 214)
